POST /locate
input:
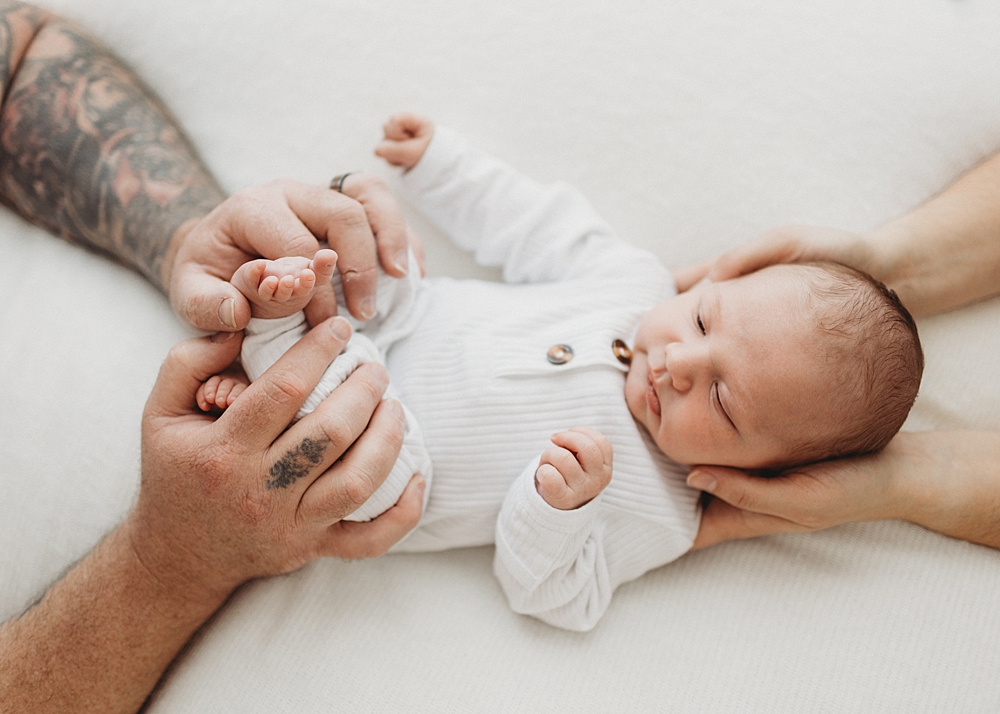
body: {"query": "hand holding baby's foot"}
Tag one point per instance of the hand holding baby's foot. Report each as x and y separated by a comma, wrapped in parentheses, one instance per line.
(406, 139)
(221, 390)
(576, 469)
(278, 288)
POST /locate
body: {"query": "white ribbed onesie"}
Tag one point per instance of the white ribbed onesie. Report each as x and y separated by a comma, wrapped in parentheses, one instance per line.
(469, 362)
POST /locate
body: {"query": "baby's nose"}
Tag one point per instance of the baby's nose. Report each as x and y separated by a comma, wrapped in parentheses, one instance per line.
(683, 364)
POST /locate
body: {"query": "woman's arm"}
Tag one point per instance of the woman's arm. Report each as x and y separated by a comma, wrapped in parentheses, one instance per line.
(942, 255)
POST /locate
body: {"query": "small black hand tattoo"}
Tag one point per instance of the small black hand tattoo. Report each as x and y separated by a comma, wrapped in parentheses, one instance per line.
(297, 462)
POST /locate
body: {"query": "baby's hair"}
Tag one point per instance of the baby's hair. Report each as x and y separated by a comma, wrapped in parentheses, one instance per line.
(875, 360)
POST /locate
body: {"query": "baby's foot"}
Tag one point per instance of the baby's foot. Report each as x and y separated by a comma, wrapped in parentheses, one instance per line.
(221, 390)
(278, 288)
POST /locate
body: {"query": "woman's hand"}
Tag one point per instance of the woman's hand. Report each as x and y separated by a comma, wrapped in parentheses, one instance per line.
(946, 481)
(788, 244)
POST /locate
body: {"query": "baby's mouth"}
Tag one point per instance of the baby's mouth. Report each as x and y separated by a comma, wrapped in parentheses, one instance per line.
(652, 400)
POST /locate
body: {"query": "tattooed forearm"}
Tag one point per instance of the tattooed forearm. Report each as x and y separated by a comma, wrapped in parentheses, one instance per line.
(297, 462)
(87, 150)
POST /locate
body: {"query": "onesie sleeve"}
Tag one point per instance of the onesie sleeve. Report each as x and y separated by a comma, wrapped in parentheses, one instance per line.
(536, 233)
(563, 566)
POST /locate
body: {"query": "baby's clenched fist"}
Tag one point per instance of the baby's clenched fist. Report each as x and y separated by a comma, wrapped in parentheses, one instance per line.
(406, 139)
(576, 469)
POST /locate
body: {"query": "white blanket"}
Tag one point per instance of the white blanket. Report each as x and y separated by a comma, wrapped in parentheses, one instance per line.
(692, 127)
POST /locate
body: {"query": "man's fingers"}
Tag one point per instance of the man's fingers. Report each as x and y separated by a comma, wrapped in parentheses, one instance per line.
(346, 539)
(343, 223)
(355, 477)
(322, 305)
(417, 247)
(188, 364)
(385, 218)
(269, 404)
(207, 301)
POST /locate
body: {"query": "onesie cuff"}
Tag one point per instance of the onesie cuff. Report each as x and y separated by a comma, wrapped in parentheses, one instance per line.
(442, 154)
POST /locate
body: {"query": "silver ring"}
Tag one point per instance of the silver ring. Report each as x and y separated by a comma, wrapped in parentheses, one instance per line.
(337, 182)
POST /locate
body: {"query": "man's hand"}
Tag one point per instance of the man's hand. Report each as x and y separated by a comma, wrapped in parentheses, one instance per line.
(406, 139)
(286, 218)
(788, 244)
(576, 469)
(239, 497)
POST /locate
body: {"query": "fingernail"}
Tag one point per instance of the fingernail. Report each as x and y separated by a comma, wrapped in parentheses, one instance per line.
(227, 313)
(340, 328)
(421, 484)
(397, 411)
(220, 337)
(702, 480)
(368, 308)
(402, 262)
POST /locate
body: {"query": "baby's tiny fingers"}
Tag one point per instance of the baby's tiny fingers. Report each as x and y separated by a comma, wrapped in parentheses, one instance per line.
(565, 462)
(584, 447)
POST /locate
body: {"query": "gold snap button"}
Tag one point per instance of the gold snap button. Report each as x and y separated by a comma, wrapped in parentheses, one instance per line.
(622, 352)
(559, 354)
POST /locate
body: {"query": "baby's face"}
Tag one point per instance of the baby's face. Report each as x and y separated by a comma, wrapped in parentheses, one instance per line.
(731, 373)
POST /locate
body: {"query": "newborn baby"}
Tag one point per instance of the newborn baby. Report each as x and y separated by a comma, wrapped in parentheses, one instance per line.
(556, 414)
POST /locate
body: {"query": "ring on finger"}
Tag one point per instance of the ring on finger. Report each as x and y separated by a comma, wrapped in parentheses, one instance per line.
(337, 182)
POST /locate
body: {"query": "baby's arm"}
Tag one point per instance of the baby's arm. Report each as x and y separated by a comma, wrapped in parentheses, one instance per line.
(563, 566)
(535, 232)
(575, 470)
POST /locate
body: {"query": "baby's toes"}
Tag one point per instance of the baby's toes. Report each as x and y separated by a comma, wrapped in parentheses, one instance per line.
(285, 287)
(305, 283)
(237, 390)
(205, 396)
(268, 286)
(222, 394)
(324, 263)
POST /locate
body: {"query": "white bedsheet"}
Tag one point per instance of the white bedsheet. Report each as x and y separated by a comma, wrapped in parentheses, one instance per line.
(692, 127)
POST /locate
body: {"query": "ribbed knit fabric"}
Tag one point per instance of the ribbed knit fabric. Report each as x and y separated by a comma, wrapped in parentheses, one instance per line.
(470, 362)
(267, 339)
(475, 374)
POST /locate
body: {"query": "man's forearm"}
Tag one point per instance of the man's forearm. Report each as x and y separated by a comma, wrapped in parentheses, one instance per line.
(946, 253)
(87, 151)
(101, 637)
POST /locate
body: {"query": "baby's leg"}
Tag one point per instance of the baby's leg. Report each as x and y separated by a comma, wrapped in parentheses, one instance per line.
(278, 288)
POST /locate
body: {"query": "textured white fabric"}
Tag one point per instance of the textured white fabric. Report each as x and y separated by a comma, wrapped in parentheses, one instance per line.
(267, 339)
(691, 127)
(472, 365)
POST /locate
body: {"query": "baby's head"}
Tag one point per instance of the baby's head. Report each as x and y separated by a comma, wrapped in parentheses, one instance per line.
(788, 365)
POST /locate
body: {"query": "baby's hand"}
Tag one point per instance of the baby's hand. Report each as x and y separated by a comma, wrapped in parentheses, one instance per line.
(221, 390)
(575, 470)
(406, 139)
